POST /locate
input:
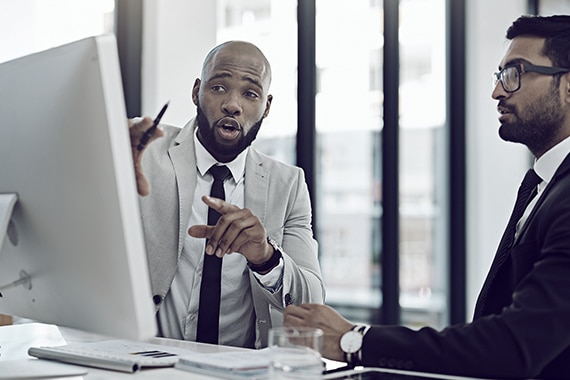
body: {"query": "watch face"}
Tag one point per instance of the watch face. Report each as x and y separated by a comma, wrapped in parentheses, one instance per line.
(351, 342)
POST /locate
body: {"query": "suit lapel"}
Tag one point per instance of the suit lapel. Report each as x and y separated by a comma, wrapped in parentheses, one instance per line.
(256, 185)
(560, 172)
(183, 157)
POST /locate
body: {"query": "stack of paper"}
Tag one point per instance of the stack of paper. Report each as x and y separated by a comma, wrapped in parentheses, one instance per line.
(250, 364)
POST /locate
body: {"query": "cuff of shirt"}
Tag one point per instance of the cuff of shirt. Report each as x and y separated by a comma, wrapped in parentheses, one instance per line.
(271, 280)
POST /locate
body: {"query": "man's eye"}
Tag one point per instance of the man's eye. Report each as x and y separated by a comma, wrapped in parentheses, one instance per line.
(217, 88)
(250, 94)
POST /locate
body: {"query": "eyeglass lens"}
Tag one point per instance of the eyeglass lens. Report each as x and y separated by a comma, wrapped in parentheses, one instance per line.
(509, 77)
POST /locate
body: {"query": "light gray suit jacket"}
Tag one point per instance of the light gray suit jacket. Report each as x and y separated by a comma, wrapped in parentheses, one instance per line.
(275, 192)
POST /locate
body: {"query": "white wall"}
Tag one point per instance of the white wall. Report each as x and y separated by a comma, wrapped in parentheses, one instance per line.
(494, 167)
(177, 35)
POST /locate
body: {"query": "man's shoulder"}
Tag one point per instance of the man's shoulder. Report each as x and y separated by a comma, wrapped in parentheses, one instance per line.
(270, 163)
(172, 136)
(171, 131)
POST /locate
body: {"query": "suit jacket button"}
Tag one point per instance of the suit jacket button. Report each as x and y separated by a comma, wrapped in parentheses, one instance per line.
(157, 299)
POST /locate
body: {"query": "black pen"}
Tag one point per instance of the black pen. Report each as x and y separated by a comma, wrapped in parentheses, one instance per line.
(149, 132)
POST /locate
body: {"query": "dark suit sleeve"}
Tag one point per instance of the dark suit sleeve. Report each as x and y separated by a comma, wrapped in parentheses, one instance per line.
(528, 337)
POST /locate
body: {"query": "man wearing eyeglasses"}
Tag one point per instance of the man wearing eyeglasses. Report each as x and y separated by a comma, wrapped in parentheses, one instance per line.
(521, 326)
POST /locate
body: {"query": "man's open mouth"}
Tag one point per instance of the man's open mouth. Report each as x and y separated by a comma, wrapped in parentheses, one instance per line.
(228, 128)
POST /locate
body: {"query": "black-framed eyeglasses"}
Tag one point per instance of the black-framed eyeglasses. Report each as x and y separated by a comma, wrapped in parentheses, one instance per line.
(510, 75)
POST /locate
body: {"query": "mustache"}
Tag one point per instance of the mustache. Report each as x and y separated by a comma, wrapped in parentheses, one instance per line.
(503, 107)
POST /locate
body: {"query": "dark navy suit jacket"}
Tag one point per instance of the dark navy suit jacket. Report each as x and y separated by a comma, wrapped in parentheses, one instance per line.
(523, 329)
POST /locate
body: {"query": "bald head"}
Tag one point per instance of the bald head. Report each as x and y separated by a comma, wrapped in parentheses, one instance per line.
(239, 53)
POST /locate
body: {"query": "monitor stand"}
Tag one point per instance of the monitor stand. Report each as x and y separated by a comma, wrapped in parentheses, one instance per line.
(7, 203)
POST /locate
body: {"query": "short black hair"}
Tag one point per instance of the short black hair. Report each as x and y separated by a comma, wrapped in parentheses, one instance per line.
(554, 29)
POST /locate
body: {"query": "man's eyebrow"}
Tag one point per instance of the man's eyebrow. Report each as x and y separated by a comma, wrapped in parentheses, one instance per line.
(253, 81)
(246, 78)
(514, 61)
(220, 76)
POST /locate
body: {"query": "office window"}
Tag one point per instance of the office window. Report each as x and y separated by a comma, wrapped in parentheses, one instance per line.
(349, 124)
(423, 177)
(30, 25)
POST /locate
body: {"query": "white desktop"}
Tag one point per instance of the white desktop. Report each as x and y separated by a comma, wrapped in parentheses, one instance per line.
(71, 242)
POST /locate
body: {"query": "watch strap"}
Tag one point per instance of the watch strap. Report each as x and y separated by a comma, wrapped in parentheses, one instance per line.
(273, 260)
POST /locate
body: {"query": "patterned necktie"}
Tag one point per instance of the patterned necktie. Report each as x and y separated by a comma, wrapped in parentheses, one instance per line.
(527, 191)
(210, 289)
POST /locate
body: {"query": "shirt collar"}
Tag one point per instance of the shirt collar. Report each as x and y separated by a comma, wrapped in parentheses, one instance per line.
(549, 162)
(204, 160)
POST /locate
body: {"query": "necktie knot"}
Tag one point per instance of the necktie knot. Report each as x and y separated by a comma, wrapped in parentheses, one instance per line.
(531, 180)
(527, 190)
(220, 173)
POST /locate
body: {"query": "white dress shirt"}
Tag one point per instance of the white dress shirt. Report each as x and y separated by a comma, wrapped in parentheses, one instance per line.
(178, 315)
(545, 167)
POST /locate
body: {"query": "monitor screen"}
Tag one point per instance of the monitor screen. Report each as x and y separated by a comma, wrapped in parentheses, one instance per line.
(71, 241)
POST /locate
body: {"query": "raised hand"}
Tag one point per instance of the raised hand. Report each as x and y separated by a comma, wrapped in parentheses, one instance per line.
(237, 230)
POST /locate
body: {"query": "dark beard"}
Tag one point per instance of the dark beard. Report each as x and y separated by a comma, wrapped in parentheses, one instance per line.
(223, 153)
(540, 128)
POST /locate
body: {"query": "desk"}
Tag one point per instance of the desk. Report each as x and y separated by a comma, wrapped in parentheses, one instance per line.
(16, 339)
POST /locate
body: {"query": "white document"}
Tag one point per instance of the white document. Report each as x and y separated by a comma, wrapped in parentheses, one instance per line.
(15, 363)
(37, 369)
(16, 339)
(250, 364)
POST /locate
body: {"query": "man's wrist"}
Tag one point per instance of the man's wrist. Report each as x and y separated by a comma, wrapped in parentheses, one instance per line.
(273, 260)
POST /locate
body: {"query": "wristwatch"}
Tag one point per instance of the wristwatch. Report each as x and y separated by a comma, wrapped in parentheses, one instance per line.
(351, 343)
(272, 262)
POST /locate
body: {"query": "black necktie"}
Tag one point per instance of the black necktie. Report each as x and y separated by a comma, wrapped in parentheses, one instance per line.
(209, 309)
(527, 191)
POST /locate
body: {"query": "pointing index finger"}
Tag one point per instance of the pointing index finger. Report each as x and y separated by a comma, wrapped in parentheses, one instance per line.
(219, 205)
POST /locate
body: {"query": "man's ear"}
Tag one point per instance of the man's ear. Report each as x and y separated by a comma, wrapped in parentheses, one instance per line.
(196, 90)
(267, 105)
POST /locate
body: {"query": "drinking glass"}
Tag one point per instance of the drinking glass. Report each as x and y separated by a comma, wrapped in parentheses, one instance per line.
(295, 353)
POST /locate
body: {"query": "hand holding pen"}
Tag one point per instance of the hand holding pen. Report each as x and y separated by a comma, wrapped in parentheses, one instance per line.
(149, 132)
(141, 135)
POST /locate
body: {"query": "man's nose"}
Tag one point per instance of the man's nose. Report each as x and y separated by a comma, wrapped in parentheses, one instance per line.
(498, 91)
(231, 105)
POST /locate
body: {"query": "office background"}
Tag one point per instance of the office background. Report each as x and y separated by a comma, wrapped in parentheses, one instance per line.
(385, 104)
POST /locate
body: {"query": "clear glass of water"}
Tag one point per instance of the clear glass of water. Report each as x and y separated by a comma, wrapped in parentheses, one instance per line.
(295, 353)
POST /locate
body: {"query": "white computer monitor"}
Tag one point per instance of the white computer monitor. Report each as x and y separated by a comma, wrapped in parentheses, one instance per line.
(73, 251)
